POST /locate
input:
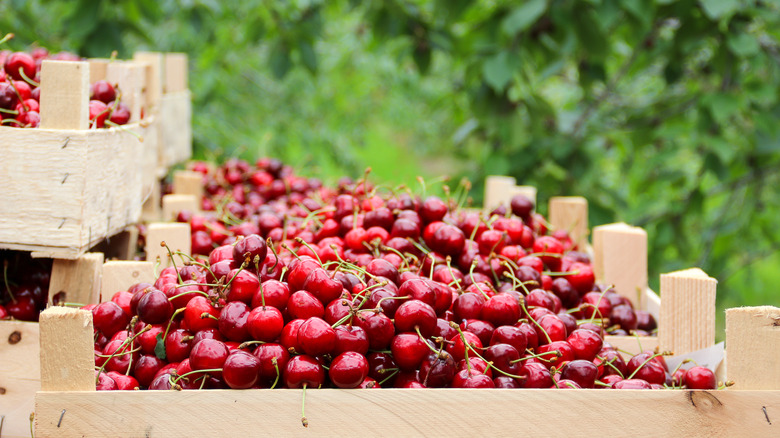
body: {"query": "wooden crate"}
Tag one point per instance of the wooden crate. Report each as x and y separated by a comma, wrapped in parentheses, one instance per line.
(67, 187)
(68, 404)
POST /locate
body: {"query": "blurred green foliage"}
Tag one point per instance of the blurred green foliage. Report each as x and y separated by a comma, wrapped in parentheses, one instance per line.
(662, 113)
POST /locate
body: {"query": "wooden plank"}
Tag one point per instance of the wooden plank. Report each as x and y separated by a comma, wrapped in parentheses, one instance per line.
(64, 95)
(403, 412)
(687, 311)
(188, 182)
(175, 73)
(131, 80)
(652, 303)
(119, 275)
(174, 203)
(152, 210)
(497, 191)
(570, 213)
(175, 235)
(154, 76)
(78, 279)
(20, 375)
(67, 354)
(753, 342)
(620, 259)
(97, 69)
(176, 127)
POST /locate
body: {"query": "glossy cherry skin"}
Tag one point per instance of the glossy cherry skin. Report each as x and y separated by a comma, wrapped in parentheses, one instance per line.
(378, 327)
(273, 292)
(252, 248)
(585, 343)
(508, 334)
(647, 369)
(303, 371)
(316, 337)
(304, 305)
(504, 357)
(272, 357)
(583, 372)
(241, 370)
(610, 362)
(145, 369)
(124, 382)
(501, 309)
(631, 384)
(109, 318)
(198, 314)
(699, 377)
(506, 382)
(105, 383)
(348, 370)
(415, 314)
(564, 353)
(351, 338)
(154, 307)
(320, 284)
(209, 354)
(457, 346)
(438, 369)
(178, 345)
(472, 379)
(536, 375)
(265, 323)
(408, 350)
(233, 321)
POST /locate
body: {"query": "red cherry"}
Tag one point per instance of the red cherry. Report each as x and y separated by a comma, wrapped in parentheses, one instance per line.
(145, 369)
(316, 337)
(536, 375)
(414, 314)
(199, 314)
(265, 323)
(178, 345)
(272, 357)
(457, 347)
(348, 370)
(304, 305)
(19, 62)
(502, 309)
(233, 321)
(273, 292)
(98, 113)
(437, 369)
(585, 343)
(472, 379)
(408, 350)
(154, 307)
(103, 91)
(320, 284)
(304, 371)
(241, 370)
(209, 354)
(120, 115)
(351, 338)
(123, 382)
(632, 384)
(109, 318)
(699, 377)
(582, 372)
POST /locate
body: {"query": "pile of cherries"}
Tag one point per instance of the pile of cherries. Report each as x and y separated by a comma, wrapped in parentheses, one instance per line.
(24, 286)
(297, 285)
(20, 92)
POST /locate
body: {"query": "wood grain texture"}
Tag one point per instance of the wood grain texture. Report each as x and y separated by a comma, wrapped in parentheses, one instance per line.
(67, 355)
(97, 69)
(78, 279)
(403, 412)
(121, 246)
(497, 189)
(64, 191)
(176, 127)
(64, 95)
(175, 73)
(570, 213)
(173, 204)
(152, 207)
(175, 235)
(20, 375)
(153, 62)
(687, 311)
(119, 275)
(188, 182)
(620, 259)
(753, 343)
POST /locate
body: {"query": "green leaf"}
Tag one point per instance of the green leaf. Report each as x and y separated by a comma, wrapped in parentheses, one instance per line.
(159, 348)
(422, 58)
(721, 105)
(84, 19)
(497, 71)
(523, 17)
(308, 56)
(279, 60)
(715, 9)
(743, 44)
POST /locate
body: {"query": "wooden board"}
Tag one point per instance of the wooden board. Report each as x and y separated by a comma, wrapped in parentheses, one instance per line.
(67, 350)
(620, 259)
(19, 375)
(175, 119)
(687, 320)
(154, 76)
(402, 412)
(175, 73)
(188, 182)
(500, 190)
(570, 213)
(175, 235)
(120, 275)
(78, 279)
(64, 95)
(753, 342)
(174, 203)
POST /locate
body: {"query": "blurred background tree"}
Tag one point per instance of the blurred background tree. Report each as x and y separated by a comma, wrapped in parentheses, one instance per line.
(662, 113)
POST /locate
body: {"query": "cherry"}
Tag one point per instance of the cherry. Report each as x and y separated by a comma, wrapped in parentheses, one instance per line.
(535, 375)
(303, 371)
(382, 367)
(585, 343)
(506, 382)
(272, 357)
(273, 292)
(483, 330)
(316, 337)
(472, 379)
(699, 377)
(103, 91)
(504, 357)
(265, 323)
(415, 314)
(501, 309)
(645, 321)
(120, 115)
(632, 384)
(433, 209)
(304, 305)
(251, 248)
(552, 326)
(595, 305)
(154, 307)
(145, 369)
(109, 318)
(550, 250)
(351, 338)
(209, 354)
(241, 370)
(322, 286)
(563, 289)
(539, 298)
(243, 285)
(23, 308)
(643, 366)
(123, 382)
(409, 350)
(558, 352)
(348, 370)
(582, 372)
(18, 63)
(457, 348)
(532, 339)
(178, 345)
(468, 306)
(105, 383)
(507, 334)
(123, 356)
(448, 240)
(233, 321)
(623, 316)
(437, 369)
(199, 314)
(522, 207)
(98, 113)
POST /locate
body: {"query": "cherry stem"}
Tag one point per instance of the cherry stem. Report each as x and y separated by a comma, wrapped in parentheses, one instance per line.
(473, 281)
(304, 243)
(200, 292)
(546, 254)
(178, 311)
(643, 364)
(208, 315)
(248, 343)
(208, 370)
(7, 37)
(546, 335)
(396, 371)
(398, 253)
(275, 363)
(5, 280)
(417, 329)
(270, 244)
(121, 348)
(489, 364)
(173, 262)
(304, 421)
(539, 356)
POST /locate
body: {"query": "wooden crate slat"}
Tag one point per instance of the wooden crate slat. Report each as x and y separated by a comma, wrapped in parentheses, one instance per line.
(570, 213)
(78, 279)
(620, 259)
(399, 412)
(64, 95)
(19, 375)
(753, 343)
(175, 235)
(67, 353)
(175, 73)
(175, 203)
(188, 182)
(176, 127)
(687, 311)
(154, 76)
